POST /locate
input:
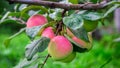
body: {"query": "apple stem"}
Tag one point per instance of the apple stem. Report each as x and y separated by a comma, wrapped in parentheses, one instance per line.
(59, 25)
(45, 61)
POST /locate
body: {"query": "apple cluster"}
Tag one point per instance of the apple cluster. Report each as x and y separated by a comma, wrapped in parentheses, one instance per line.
(59, 47)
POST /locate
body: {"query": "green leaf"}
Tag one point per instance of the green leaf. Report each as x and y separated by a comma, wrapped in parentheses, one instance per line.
(56, 15)
(76, 47)
(24, 63)
(73, 22)
(36, 46)
(16, 14)
(32, 32)
(74, 1)
(33, 7)
(95, 1)
(5, 6)
(111, 10)
(7, 41)
(37, 30)
(113, 3)
(92, 16)
(4, 16)
(81, 33)
(8, 21)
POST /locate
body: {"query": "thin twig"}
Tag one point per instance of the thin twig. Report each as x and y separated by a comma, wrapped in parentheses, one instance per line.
(85, 6)
(18, 19)
(45, 61)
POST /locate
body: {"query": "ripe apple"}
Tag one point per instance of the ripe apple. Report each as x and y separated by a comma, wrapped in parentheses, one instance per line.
(36, 20)
(48, 32)
(59, 48)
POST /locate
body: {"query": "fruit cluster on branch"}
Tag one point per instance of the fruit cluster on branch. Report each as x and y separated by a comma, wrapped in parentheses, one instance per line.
(60, 47)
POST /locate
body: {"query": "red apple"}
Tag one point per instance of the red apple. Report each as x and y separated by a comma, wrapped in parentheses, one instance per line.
(48, 32)
(36, 20)
(59, 48)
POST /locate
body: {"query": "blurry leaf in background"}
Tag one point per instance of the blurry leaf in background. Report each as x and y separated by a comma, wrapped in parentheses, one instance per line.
(110, 10)
(4, 6)
(7, 41)
(74, 1)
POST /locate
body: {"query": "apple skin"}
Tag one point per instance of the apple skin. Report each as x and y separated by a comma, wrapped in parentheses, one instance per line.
(36, 20)
(48, 32)
(59, 48)
(69, 58)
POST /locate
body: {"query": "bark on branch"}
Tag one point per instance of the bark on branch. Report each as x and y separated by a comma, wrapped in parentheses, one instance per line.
(86, 6)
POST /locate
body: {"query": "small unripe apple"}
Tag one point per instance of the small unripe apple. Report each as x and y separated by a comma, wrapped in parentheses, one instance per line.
(59, 48)
(48, 32)
(36, 20)
(69, 58)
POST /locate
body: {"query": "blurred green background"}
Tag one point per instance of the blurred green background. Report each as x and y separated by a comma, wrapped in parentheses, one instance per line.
(104, 54)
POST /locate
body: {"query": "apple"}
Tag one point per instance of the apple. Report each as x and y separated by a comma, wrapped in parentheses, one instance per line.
(59, 48)
(36, 20)
(48, 32)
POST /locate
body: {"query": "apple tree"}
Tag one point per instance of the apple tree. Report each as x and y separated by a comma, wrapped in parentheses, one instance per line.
(62, 27)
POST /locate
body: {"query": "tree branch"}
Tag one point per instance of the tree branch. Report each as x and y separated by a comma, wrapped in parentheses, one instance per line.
(86, 6)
